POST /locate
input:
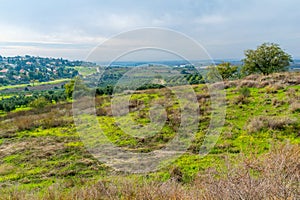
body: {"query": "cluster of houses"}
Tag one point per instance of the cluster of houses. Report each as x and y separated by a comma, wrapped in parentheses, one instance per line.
(23, 68)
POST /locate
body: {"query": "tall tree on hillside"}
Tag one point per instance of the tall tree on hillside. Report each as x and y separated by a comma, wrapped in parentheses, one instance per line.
(267, 58)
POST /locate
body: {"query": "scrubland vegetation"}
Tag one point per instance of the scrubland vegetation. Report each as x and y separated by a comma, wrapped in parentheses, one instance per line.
(256, 155)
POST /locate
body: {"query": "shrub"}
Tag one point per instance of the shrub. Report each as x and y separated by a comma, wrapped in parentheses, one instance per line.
(291, 92)
(231, 84)
(242, 98)
(295, 107)
(264, 84)
(279, 122)
(252, 77)
(39, 103)
(245, 92)
(273, 88)
(255, 125)
(176, 174)
(277, 103)
(258, 123)
(104, 111)
(25, 123)
(274, 175)
(249, 83)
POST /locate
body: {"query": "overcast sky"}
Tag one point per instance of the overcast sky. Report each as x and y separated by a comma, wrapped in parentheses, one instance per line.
(71, 29)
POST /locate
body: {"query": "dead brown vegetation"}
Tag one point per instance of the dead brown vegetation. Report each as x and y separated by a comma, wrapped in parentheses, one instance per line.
(275, 81)
(258, 123)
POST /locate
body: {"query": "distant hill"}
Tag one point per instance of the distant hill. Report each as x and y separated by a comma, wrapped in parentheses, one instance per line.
(198, 63)
(24, 69)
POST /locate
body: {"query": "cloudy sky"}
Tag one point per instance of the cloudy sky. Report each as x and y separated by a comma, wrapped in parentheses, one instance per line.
(71, 29)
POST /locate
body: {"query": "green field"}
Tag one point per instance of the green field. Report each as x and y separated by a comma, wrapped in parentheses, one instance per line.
(85, 71)
(33, 84)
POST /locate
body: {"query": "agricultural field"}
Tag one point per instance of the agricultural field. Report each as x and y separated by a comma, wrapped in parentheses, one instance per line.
(85, 71)
(32, 86)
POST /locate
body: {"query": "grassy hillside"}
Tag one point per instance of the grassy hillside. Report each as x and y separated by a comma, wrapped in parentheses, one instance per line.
(256, 155)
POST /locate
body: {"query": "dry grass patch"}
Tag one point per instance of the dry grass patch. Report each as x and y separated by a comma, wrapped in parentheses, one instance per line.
(6, 169)
(295, 107)
(275, 175)
(249, 83)
(258, 123)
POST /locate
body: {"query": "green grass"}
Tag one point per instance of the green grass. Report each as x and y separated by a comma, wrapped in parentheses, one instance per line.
(55, 132)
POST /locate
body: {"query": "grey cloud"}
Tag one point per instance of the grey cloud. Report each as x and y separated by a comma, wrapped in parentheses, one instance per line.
(225, 27)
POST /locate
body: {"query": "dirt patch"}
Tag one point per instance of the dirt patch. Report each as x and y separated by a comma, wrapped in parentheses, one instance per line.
(41, 148)
(11, 148)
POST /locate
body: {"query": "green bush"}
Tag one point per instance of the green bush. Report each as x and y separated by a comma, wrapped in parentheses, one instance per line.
(39, 103)
(245, 92)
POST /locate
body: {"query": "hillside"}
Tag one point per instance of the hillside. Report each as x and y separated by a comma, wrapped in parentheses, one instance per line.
(26, 69)
(40, 149)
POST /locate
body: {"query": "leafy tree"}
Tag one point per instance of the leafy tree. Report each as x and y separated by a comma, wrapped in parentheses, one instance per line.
(8, 106)
(225, 70)
(69, 88)
(266, 59)
(77, 84)
(39, 103)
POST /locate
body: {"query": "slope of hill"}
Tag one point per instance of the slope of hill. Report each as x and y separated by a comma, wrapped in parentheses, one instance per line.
(256, 155)
(24, 69)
